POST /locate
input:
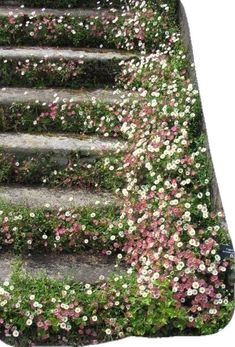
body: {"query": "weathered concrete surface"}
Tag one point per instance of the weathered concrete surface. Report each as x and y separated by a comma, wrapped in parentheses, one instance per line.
(5, 11)
(53, 198)
(29, 95)
(84, 267)
(54, 4)
(58, 144)
(85, 55)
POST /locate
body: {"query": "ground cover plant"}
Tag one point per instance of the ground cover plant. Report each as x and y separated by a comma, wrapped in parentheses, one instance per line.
(43, 169)
(166, 231)
(109, 29)
(24, 230)
(83, 118)
(83, 313)
(48, 73)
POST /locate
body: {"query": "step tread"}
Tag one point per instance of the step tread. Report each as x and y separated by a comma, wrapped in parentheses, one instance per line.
(58, 53)
(58, 143)
(83, 267)
(30, 95)
(5, 11)
(56, 198)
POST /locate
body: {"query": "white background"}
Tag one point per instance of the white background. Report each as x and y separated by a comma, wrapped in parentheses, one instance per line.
(212, 26)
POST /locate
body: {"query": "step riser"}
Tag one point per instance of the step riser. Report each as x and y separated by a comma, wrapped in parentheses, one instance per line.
(57, 74)
(83, 268)
(51, 170)
(60, 160)
(62, 111)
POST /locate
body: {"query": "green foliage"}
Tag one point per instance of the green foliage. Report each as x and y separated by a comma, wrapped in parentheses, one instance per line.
(22, 229)
(109, 30)
(219, 322)
(83, 118)
(118, 309)
(76, 171)
(50, 73)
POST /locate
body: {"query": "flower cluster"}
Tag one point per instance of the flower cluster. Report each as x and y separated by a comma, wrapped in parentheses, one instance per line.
(25, 230)
(65, 116)
(81, 313)
(173, 232)
(145, 27)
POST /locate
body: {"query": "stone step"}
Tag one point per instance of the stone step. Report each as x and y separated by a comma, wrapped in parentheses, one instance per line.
(5, 11)
(84, 267)
(52, 95)
(53, 198)
(59, 67)
(62, 145)
(61, 3)
(50, 53)
(60, 161)
(75, 111)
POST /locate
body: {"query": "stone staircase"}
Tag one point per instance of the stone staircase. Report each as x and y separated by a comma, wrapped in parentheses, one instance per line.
(94, 82)
(107, 228)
